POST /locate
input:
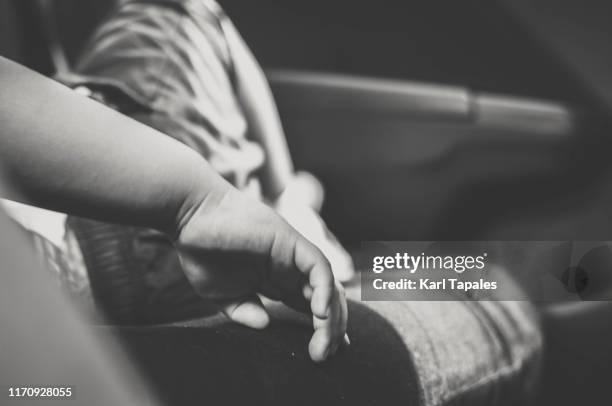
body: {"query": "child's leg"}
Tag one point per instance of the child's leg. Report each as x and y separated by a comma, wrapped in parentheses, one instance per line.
(401, 353)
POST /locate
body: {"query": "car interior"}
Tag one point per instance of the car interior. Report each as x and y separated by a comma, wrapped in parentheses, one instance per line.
(425, 120)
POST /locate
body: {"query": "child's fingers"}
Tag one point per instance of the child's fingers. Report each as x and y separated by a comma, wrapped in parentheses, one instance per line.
(248, 311)
(309, 260)
(342, 319)
(320, 303)
(307, 292)
(329, 332)
(341, 338)
(321, 343)
(327, 301)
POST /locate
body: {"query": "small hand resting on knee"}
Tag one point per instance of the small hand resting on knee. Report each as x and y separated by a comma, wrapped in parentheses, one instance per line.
(233, 248)
(82, 158)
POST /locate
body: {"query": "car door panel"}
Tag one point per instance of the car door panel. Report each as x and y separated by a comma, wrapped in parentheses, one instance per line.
(394, 154)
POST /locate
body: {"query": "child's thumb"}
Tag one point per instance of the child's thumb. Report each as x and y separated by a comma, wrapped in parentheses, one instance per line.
(248, 311)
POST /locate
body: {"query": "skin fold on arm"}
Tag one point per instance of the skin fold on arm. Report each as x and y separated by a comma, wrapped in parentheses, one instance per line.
(71, 154)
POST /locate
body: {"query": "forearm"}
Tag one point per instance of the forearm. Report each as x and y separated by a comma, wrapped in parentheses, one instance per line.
(71, 154)
(262, 115)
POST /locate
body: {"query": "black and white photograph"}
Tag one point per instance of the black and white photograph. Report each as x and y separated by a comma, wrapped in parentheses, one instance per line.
(305, 202)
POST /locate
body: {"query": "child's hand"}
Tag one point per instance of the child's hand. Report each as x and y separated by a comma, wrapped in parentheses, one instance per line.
(233, 248)
(310, 225)
(298, 205)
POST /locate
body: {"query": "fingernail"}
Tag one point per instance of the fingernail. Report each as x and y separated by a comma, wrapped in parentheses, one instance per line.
(347, 341)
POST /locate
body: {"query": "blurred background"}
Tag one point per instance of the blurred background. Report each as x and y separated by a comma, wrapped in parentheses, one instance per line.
(497, 129)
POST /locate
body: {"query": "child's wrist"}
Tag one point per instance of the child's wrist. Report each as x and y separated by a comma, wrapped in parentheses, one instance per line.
(200, 184)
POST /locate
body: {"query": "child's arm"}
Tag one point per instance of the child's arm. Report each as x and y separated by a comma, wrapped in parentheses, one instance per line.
(72, 154)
